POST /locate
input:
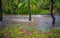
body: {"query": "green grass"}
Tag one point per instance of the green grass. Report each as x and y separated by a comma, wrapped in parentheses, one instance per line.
(19, 32)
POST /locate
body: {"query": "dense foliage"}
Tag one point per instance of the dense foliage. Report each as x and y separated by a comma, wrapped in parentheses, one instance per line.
(36, 6)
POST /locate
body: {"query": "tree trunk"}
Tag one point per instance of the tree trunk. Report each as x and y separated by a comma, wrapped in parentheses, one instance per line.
(0, 10)
(53, 22)
(29, 10)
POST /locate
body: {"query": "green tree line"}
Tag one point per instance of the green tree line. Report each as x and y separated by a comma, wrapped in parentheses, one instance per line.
(36, 6)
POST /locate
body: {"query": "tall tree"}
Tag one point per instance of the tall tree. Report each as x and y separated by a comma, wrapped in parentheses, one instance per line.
(29, 10)
(0, 10)
(52, 4)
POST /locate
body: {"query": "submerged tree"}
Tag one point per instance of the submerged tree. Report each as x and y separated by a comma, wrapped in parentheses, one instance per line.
(52, 4)
(0, 10)
(29, 10)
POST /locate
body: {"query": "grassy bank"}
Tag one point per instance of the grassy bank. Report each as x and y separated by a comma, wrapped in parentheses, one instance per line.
(19, 32)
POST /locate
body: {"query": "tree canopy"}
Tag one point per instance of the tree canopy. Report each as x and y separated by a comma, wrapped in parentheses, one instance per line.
(36, 6)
